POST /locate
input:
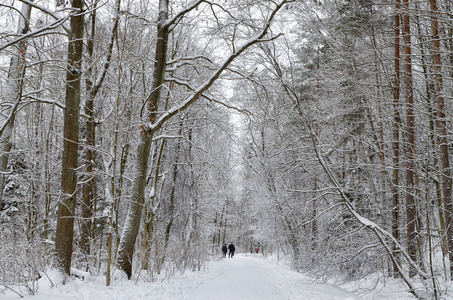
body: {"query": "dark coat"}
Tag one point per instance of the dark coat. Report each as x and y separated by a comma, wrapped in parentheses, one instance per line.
(224, 249)
(231, 248)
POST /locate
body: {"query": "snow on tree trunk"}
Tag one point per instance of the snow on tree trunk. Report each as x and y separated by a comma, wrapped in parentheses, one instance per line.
(132, 223)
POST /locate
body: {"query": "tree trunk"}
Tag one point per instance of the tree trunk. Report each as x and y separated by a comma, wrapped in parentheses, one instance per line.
(442, 129)
(132, 223)
(314, 224)
(223, 223)
(66, 207)
(111, 199)
(396, 143)
(435, 158)
(410, 151)
(92, 89)
(87, 190)
(171, 204)
(47, 178)
(124, 158)
(149, 211)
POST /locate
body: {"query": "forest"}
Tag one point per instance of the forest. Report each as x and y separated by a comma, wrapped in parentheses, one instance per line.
(141, 135)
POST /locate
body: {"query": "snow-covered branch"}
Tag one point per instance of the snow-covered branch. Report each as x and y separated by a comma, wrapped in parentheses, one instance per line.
(54, 25)
(210, 99)
(49, 12)
(153, 127)
(183, 12)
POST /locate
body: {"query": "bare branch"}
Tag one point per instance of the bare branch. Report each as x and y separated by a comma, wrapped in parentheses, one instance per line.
(153, 127)
(181, 14)
(47, 11)
(56, 24)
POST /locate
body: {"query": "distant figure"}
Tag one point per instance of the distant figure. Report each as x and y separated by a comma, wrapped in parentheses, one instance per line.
(232, 249)
(251, 250)
(224, 249)
(256, 250)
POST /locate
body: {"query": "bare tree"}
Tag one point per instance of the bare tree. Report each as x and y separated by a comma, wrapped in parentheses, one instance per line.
(396, 134)
(442, 129)
(64, 234)
(127, 243)
(93, 86)
(410, 129)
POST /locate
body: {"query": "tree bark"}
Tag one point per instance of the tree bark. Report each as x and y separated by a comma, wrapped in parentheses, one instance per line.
(88, 188)
(150, 211)
(442, 130)
(410, 132)
(47, 178)
(132, 223)
(396, 137)
(66, 207)
(88, 194)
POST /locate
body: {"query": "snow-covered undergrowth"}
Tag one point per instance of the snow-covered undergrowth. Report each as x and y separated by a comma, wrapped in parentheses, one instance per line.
(290, 284)
(373, 287)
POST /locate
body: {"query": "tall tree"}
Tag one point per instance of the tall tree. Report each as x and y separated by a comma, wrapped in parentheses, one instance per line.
(93, 86)
(396, 134)
(64, 234)
(410, 131)
(441, 125)
(132, 223)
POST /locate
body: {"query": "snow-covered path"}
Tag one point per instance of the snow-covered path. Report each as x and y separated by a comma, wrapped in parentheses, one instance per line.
(242, 278)
(246, 277)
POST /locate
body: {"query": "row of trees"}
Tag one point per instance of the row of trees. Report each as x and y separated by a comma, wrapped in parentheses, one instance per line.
(350, 137)
(100, 116)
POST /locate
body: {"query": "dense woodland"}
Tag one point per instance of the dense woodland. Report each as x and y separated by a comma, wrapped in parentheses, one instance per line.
(140, 136)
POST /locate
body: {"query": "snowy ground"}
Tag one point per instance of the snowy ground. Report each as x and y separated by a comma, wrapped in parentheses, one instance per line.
(246, 276)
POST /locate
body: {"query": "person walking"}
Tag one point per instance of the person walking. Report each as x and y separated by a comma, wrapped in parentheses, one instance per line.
(232, 249)
(224, 249)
